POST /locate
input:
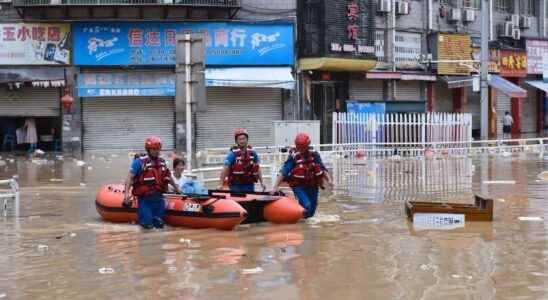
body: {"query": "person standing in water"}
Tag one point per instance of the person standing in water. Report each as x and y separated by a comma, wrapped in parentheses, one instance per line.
(305, 173)
(507, 122)
(148, 179)
(241, 166)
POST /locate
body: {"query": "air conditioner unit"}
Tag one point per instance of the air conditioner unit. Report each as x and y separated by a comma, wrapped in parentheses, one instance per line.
(455, 15)
(525, 22)
(54, 2)
(514, 19)
(384, 6)
(402, 8)
(506, 29)
(469, 15)
(516, 34)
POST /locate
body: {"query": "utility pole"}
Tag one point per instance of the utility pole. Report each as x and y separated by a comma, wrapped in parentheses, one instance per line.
(190, 90)
(484, 68)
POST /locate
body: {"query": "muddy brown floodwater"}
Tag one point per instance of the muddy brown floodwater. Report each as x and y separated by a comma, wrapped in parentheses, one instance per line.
(359, 247)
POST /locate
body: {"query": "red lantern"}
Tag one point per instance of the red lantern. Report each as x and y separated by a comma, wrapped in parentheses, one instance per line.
(67, 100)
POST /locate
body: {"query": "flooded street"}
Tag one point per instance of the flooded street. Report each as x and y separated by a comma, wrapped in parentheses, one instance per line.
(360, 246)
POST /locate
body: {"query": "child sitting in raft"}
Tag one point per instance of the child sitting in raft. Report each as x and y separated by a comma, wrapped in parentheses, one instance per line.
(186, 182)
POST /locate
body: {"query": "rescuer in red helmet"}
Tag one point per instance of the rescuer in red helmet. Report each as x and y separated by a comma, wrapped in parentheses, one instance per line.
(241, 167)
(148, 180)
(305, 173)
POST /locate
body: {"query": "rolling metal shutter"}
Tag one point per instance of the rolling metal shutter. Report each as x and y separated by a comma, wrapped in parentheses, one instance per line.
(408, 90)
(504, 104)
(474, 108)
(368, 89)
(31, 102)
(254, 109)
(529, 113)
(123, 123)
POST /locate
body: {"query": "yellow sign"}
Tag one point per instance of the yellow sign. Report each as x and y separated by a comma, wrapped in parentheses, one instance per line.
(454, 47)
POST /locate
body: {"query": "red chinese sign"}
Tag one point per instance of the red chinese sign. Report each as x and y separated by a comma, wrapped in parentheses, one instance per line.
(352, 14)
(513, 63)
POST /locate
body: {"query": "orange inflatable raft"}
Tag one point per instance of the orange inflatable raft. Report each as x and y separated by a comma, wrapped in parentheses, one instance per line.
(219, 209)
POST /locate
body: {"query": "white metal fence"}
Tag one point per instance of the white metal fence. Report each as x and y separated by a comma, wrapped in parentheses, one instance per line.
(10, 194)
(402, 131)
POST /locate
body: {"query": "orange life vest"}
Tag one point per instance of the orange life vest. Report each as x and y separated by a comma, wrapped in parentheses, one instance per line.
(244, 170)
(154, 177)
(305, 172)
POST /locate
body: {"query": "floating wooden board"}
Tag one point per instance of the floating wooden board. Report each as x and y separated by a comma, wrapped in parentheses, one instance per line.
(481, 210)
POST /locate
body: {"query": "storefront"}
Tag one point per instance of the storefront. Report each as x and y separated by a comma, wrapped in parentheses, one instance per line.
(535, 107)
(248, 67)
(32, 78)
(513, 68)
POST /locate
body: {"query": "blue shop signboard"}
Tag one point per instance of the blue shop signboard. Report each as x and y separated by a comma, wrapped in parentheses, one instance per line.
(126, 84)
(153, 43)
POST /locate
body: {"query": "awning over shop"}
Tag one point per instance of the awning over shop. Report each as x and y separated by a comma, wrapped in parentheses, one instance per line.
(507, 87)
(38, 77)
(337, 64)
(454, 82)
(539, 84)
(123, 84)
(261, 77)
(383, 75)
(418, 77)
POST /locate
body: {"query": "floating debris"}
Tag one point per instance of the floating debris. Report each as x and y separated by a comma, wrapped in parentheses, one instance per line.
(501, 200)
(80, 163)
(106, 271)
(3, 295)
(42, 247)
(82, 184)
(256, 270)
(56, 180)
(90, 168)
(39, 152)
(499, 182)
(531, 219)
(321, 218)
(543, 175)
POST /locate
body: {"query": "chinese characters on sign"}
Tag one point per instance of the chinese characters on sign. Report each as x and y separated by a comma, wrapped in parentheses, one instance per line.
(513, 63)
(153, 43)
(126, 84)
(34, 44)
(537, 56)
(493, 59)
(454, 47)
(352, 14)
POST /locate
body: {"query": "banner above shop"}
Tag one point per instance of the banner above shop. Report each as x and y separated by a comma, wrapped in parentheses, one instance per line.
(454, 47)
(537, 52)
(153, 43)
(513, 63)
(34, 44)
(121, 84)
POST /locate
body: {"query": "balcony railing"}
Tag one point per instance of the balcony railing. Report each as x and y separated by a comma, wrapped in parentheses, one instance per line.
(190, 3)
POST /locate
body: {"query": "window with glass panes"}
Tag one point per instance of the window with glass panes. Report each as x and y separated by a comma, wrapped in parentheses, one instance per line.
(472, 4)
(528, 7)
(504, 6)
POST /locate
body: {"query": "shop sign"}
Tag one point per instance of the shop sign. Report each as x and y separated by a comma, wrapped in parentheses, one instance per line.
(537, 51)
(126, 84)
(351, 42)
(494, 59)
(454, 47)
(153, 43)
(34, 44)
(513, 63)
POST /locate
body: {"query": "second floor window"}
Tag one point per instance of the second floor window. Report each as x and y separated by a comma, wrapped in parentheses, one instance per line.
(476, 4)
(506, 6)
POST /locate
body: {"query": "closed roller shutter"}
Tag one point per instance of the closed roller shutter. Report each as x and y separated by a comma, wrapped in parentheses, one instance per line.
(529, 113)
(254, 109)
(504, 104)
(35, 102)
(123, 123)
(408, 90)
(367, 89)
(474, 108)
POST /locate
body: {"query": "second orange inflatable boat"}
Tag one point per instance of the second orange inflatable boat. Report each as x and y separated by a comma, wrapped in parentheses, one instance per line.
(219, 209)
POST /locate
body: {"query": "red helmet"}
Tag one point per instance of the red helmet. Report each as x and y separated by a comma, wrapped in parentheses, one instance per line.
(153, 143)
(302, 140)
(240, 131)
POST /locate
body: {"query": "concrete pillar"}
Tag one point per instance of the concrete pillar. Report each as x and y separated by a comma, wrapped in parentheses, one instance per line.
(517, 109)
(492, 112)
(71, 129)
(430, 96)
